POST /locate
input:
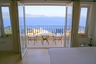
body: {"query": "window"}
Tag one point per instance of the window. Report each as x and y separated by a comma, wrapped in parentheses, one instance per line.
(83, 20)
(6, 20)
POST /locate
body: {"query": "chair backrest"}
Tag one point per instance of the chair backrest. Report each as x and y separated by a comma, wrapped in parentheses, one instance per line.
(55, 36)
(59, 31)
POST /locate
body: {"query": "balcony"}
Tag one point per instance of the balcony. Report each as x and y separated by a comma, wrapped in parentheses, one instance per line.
(44, 35)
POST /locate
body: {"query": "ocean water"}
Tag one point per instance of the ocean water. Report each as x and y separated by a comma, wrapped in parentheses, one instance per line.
(52, 24)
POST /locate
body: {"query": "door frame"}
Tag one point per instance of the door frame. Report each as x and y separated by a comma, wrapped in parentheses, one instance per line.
(69, 4)
(22, 54)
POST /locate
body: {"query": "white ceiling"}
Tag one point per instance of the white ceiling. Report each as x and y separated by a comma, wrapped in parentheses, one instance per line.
(51, 2)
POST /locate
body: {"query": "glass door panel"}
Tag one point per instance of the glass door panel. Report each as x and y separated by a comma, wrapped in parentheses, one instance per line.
(22, 28)
(68, 25)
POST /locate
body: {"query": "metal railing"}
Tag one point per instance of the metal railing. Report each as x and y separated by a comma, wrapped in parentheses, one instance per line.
(48, 28)
(44, 28)
(81, 29)
(8, 30)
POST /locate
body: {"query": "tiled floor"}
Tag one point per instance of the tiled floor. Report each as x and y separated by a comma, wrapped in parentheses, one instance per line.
(36, 56)
(45, 44)
(32, 56)
(9, 57)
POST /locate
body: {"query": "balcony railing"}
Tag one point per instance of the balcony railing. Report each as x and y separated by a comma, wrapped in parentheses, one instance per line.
(44, 28)
(8, 30)
(81, 29)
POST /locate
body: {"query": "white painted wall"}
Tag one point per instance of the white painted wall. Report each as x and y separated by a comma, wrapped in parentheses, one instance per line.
(93, 23)
(6, 44)
(94, 36)
(91, 27)
(83, 40)
(92, 19)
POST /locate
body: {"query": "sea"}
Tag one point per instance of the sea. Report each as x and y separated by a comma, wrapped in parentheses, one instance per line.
(52, 24)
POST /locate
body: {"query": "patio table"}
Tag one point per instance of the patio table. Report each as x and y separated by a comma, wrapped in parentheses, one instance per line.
(45, 37)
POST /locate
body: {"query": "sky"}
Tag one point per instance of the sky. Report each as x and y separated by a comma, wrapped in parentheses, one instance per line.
(83, 12)
(30, 11)
(46, 10)
(51, 10)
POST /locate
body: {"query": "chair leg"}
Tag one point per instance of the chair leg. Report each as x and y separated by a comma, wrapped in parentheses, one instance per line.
(61, 41)
(42, 42)
(47, 41)
(28, 41)
(58, 40)
(55, 42)
(34, 42)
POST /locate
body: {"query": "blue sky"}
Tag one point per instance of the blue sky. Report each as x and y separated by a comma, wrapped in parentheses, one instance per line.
(43, 10)
(46, 10)
(50, 10)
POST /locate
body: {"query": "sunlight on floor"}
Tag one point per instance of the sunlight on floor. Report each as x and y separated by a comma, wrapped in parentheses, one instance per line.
(36, 56)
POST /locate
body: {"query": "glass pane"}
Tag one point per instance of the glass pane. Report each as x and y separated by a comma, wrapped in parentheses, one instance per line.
(82, 22)
(6, 20)
(68, 26)
(22, 28)
(69, 18)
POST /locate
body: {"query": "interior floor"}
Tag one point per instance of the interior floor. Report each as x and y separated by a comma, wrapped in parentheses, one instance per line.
(32, 56)
(9, 57)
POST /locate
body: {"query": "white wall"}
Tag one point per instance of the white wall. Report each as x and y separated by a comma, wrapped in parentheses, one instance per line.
(94, 36)
(91, 27)
(92, 19)
(93, 23)
(83, 40)
(6, 44)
